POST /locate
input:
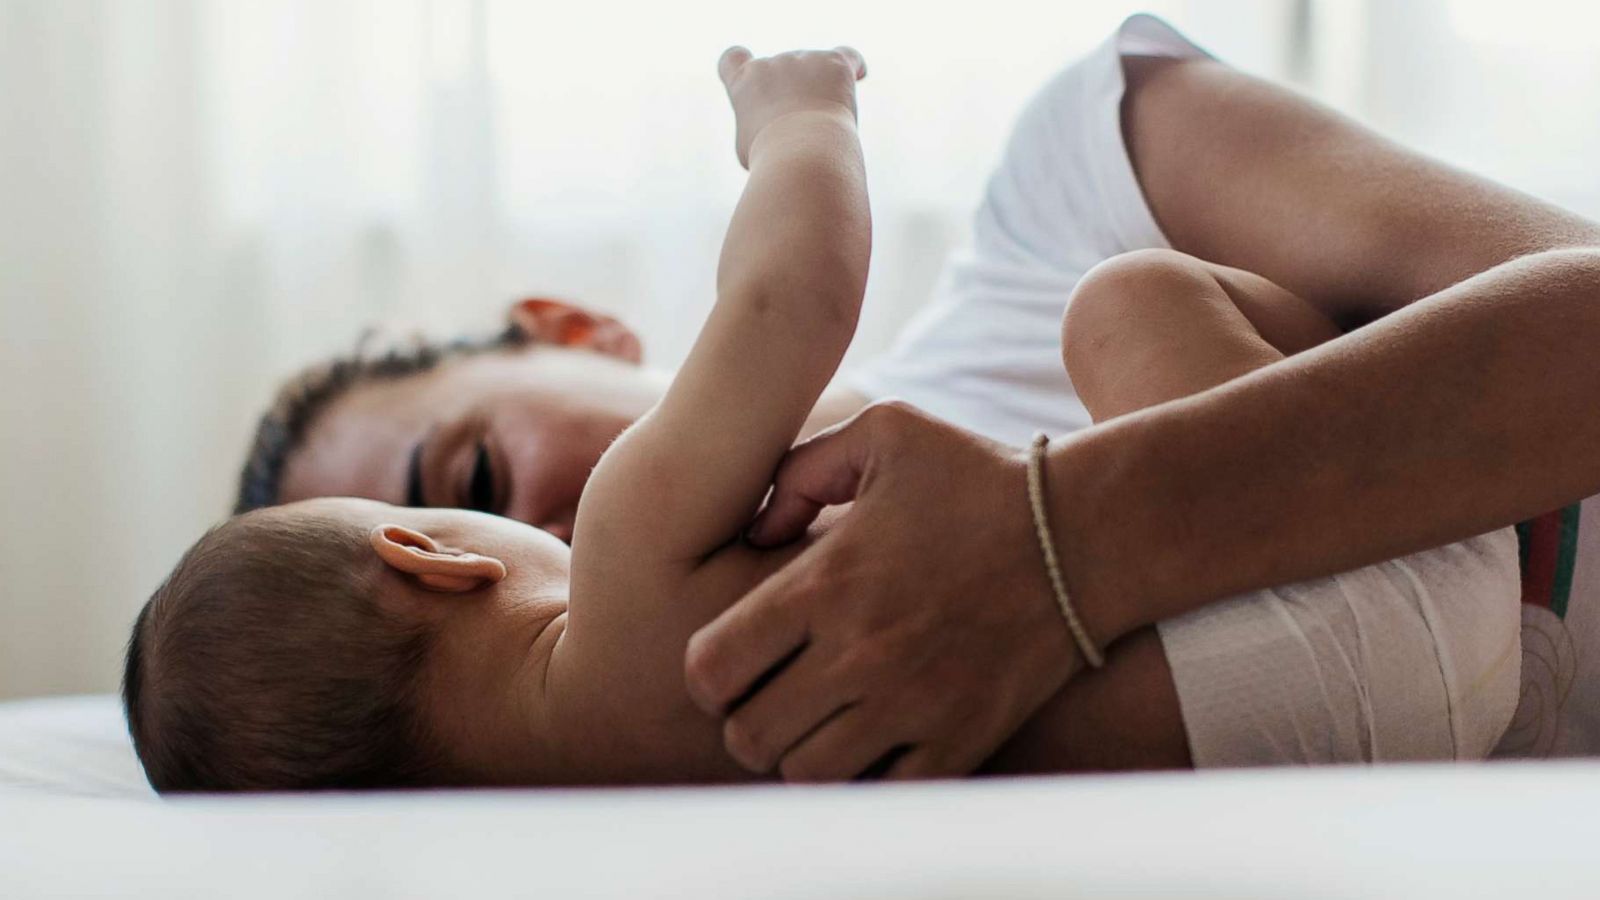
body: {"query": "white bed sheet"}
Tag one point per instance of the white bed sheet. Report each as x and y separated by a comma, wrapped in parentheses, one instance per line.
(1412, 832)
(69, 745)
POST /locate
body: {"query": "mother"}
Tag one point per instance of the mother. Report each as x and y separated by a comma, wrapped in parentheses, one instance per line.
(1297, 471)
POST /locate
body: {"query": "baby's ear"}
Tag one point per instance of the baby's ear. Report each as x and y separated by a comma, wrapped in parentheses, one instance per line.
(421, 559)
(545, 321)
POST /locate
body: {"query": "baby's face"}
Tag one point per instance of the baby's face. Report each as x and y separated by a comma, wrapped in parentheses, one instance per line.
(491, 639)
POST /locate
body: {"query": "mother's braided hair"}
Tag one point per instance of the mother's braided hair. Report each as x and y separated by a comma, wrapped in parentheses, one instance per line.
(309, 392)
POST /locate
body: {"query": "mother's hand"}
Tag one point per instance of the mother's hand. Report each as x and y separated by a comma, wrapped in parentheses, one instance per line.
(922, 630)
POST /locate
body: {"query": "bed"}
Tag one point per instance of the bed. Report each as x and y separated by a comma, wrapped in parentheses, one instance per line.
(81, 822)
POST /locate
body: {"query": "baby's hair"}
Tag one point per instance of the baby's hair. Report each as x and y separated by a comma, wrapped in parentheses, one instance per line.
(264, 662)
(310, 391)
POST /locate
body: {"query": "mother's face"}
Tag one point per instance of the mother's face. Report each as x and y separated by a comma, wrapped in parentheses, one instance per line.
(514, 432)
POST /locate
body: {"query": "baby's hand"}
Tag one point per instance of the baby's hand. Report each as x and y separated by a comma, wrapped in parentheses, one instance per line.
(767, 89)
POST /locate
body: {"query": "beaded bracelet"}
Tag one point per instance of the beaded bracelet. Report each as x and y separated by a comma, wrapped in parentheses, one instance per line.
(1047, 546)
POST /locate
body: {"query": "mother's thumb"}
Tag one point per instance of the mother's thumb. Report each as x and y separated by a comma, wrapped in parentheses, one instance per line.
(824, 471)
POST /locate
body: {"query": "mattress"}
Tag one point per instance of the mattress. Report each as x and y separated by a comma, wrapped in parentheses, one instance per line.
(80, 822)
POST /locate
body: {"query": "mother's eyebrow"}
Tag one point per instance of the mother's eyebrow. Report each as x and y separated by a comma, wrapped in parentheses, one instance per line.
(414, 477)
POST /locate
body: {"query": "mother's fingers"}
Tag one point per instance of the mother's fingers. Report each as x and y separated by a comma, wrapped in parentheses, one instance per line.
(725, 658)
(824, 471)
(916, 764)
(806, 693)
(731, 61)
(843, 748)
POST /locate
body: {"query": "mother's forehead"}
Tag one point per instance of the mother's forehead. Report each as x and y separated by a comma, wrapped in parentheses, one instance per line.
(360, 443)
(403, 403)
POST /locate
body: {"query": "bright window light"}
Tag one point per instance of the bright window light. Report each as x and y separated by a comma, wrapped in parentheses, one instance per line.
(1541, 23)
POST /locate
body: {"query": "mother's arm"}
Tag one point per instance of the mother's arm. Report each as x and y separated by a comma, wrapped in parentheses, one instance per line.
(1471, 407)
(1242, 172)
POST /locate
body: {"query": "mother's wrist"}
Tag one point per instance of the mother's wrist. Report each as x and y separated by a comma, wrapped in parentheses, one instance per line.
(1088, 647)
(1094, 508)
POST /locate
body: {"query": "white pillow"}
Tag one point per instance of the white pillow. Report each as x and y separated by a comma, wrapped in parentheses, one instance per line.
(69, 745)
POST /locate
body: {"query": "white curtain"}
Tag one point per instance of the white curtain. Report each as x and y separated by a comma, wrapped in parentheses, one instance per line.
(196, 197)
(1507, 89)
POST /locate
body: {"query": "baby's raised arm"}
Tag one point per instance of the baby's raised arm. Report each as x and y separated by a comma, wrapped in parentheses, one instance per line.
(687, 477)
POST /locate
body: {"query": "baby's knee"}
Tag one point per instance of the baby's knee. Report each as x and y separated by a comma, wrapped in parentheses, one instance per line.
(1115, 294)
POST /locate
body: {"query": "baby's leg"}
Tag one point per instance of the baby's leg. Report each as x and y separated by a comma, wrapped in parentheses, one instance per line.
(1143, 328)
(1287, 675)
(1154, 325)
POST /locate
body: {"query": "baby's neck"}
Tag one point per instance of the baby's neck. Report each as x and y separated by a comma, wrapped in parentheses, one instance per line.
(490, 694)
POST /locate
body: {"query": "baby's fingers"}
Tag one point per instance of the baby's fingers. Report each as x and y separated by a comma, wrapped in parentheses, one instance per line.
(853, 56)
(732, 60)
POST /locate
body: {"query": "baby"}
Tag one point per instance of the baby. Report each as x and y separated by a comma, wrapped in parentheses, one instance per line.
(342, 643)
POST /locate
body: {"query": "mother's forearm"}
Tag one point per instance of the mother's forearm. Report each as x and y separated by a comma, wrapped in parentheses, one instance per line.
(1470, 410)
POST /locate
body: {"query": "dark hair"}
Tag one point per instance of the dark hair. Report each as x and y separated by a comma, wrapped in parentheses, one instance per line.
(309, 392)
(264, 663)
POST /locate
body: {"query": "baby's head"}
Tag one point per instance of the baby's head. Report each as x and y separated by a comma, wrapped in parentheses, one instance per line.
(342, 643)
